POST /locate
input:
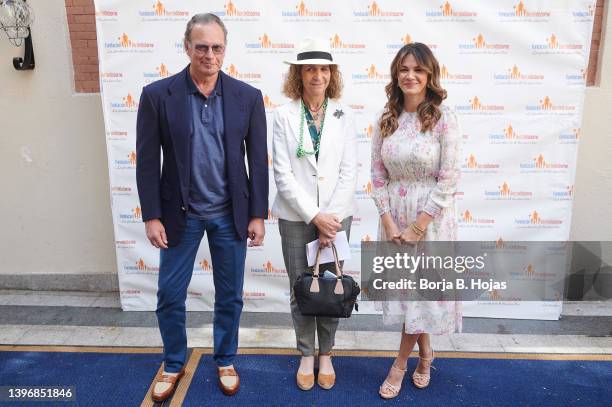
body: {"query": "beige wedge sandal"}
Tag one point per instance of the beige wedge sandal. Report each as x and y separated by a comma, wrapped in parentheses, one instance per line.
(388, 390)
(421, 380)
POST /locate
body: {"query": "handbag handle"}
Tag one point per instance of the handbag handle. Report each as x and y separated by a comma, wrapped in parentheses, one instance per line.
(314, 286)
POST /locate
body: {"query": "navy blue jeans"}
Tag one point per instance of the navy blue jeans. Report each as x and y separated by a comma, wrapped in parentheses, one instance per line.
(228, 253)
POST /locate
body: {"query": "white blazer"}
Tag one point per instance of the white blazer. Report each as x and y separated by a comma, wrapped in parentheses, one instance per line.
(304, 186)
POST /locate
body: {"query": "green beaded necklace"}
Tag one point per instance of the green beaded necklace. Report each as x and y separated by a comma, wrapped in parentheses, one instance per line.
(300, 149)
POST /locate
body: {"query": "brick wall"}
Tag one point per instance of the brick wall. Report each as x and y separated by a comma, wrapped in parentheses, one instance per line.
(595, 41)
(82, 26)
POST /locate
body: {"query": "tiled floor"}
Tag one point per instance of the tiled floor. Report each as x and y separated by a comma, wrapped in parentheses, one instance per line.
(59, 299)
(39, 320)
(284, 338)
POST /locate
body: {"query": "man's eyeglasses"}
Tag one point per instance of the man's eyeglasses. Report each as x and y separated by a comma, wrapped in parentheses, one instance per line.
(203, 49)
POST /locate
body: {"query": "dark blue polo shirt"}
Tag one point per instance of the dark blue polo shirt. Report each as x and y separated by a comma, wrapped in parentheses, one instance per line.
(208, 190)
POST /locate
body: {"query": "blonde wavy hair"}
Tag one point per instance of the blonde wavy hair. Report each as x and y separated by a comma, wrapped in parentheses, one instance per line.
(293, 87)
(428, 111)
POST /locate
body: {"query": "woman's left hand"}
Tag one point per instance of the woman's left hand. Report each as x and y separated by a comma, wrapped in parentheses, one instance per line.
(408, 236)
(325, 241)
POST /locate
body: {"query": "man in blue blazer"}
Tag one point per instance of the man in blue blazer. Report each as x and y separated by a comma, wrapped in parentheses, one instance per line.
(204, 122)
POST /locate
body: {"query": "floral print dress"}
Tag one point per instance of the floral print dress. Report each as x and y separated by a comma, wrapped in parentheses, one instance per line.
(414, 172)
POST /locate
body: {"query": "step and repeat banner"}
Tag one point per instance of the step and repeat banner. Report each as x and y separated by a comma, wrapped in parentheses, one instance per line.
(515, 72)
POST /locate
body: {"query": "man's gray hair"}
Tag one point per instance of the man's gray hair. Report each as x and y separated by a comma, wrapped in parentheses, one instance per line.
(203, 19)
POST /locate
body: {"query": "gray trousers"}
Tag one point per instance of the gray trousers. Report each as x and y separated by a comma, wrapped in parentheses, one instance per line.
(294, 236)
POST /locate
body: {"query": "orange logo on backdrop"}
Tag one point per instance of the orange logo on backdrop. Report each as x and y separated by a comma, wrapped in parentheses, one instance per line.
(407, 39)
(129, 101)
(368, 187)
(529, 270)
(552, 41)
(232, 71)
(230, 9)
(570, 190)
(500, 244)
(265, 41)
(446, 9)
(475, 102)
(125, 40)
(444, 72)
(137, 212)
(504, 190)
(546, 104)
(467, 216)
(366, 238)
(479, 41)
(534, 217)
(369, 131)
(132, 158)
(163, 70)
(159, 8)
(372, 73)
(335, 41)
(519, 9)
(270, 161)
(495, 295)
(471, 161)
(268, 102)
(509, 132)
(514, 72)
(268, 266)
(539, 161)
(205, 265)
(301, 9)
(373, 9)
(577, 133)
(270, 216)
(140, 265)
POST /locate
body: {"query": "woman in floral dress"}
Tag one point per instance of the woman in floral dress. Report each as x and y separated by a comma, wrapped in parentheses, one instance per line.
(415, 170)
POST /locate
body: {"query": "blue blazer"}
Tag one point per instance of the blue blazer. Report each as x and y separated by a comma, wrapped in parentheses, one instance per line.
(164, 123)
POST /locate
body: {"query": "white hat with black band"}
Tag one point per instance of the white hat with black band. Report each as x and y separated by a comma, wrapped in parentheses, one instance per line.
(313, 51)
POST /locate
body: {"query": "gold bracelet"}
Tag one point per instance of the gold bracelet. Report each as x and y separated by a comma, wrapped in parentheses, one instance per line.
(416, 230)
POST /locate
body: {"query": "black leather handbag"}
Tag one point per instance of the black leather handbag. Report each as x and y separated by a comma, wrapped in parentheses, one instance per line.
(326, 297)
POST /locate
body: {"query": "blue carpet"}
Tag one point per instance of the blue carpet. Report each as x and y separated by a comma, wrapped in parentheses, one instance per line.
(268, 380)
(100, 379)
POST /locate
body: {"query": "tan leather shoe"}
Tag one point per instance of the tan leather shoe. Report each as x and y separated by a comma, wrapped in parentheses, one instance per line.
(228, 372)
(326, 381)
(304, 381)
(172, 380)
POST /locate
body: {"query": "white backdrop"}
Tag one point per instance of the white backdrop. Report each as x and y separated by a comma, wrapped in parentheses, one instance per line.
(514, 70)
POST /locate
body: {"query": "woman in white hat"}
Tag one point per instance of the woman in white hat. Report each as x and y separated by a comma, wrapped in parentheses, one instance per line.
(315, 169)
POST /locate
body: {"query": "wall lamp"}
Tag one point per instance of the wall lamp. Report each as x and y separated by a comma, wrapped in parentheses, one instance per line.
(16, 16)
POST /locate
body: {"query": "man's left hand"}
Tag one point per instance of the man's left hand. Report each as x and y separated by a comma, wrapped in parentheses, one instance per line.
(256, 232)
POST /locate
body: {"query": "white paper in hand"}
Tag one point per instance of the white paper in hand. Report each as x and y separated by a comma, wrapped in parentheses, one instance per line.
(327, 256)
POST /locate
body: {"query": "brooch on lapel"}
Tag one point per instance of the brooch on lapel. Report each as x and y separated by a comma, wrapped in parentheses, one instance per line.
(338, 113)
